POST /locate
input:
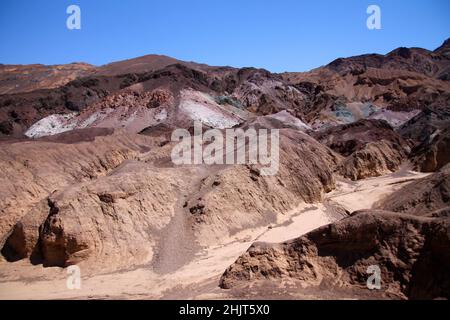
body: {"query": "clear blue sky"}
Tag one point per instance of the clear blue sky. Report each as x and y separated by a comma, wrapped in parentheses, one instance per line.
(292, 35)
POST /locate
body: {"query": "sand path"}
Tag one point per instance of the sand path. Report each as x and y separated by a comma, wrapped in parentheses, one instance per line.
(198, 278)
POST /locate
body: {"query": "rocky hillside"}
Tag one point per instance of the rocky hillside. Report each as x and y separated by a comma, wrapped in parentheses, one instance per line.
(423, 196)
(429, 131)
(392, 87)
(411, 252)
(370, 147)
(87, 176)
(26, 78)
(115, 201)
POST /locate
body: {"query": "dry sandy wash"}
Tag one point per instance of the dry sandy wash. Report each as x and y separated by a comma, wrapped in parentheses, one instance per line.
(199, 277)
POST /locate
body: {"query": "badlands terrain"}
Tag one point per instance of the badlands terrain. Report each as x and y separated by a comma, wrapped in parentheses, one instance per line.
(87, 179)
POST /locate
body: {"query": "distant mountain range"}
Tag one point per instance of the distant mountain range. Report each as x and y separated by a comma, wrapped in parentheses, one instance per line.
(363, 180)
(393, 87)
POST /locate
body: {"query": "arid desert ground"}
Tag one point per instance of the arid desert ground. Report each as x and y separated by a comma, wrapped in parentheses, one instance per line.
(361, 180)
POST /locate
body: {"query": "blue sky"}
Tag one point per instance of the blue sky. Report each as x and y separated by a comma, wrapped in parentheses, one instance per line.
(293, 35)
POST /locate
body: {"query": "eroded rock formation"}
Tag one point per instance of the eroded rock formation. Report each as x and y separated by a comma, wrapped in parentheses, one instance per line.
(411, 252)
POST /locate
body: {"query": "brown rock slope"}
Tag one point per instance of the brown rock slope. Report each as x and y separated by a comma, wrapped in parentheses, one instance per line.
(375, 159)
(240, 197)
(118, 201)
(370, 147)
(253, 89)
(20, 110)
(25, 78)
(432, 155)
(409, 239)
(421, 196)
(393, 80)
(412, 253)
(85, 201)
(147, 63)
(401, 83)
(32, 170)
(429, 130)
(387, 86)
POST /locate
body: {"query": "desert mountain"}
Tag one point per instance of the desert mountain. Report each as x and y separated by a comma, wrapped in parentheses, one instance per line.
(87, 177)
(394, 87)
(26, 78)
(142, 64)
(390, 87)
